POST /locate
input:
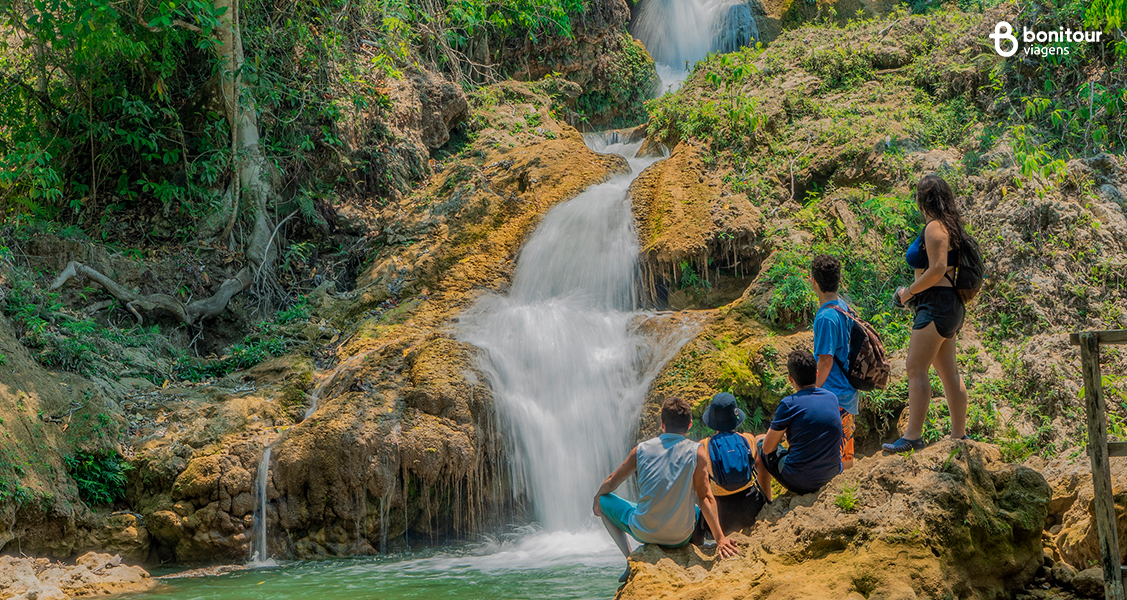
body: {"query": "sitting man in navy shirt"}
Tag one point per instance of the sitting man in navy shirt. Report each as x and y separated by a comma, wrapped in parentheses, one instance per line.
(811, 422)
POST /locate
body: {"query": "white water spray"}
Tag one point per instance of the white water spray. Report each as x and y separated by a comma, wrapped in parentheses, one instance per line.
(567, 363)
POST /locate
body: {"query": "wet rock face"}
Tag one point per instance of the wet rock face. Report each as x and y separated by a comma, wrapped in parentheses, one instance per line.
(92, 575)
(951, 521)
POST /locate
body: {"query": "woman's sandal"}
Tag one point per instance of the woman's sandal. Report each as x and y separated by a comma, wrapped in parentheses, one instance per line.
(903, 445)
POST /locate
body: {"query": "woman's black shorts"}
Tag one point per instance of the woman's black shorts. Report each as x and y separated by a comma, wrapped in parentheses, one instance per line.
(942, 306)
(736, 512)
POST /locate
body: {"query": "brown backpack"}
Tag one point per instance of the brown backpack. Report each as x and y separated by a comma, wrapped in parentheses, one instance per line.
(868, 367)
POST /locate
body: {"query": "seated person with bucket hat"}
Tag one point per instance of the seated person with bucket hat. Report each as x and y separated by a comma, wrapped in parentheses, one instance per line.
(811, 422)
(729, 459)
(671, 482)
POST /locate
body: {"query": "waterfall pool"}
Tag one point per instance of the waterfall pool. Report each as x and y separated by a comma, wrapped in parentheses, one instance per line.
(540, 566)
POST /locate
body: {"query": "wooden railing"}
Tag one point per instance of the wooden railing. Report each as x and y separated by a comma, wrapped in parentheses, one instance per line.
(1099, 450)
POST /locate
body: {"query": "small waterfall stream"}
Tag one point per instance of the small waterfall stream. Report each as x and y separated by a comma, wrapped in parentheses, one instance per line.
(564, 353)
(259, 556)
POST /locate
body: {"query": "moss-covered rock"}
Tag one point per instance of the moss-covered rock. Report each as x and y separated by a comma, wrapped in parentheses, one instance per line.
(621, 81)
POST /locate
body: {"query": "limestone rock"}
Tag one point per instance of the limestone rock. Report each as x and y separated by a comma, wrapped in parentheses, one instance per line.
(951, 521)
(684, 222)
(1089, 582)
(92, 574)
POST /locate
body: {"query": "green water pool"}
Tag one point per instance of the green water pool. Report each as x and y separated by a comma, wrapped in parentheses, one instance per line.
(572, 566)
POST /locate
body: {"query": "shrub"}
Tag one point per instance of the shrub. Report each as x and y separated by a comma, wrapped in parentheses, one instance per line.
(847, 499)
(100, 477)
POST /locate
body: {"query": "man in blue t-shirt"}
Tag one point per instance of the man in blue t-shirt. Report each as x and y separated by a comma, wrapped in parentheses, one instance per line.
(812, 424)
(831, 346)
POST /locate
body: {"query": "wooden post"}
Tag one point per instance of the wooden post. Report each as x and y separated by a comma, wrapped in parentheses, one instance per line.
(1101, 469)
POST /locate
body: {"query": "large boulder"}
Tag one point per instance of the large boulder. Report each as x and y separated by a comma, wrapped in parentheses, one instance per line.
(691, 229)
(953, 521)
(92, 575)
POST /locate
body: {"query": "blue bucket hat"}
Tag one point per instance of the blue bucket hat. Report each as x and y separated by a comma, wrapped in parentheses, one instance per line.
(722, 413)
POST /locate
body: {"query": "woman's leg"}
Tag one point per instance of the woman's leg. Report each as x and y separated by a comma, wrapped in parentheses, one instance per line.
(762, 475)
(953, 387)
(922, 348)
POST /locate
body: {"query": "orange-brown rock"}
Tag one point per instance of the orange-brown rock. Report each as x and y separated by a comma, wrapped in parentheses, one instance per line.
(953, 521)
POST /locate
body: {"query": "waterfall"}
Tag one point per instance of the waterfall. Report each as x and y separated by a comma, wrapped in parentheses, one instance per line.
(259, 557)
(678, 33)
(564, 353)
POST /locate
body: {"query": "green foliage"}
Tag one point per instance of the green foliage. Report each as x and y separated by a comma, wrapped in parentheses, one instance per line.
(12, 491)
(298, 311)
(726, 117)
(792, 299)
(100, 477)
(250, 352)
(533, 19)
(945, 124)
(846, 500)
(868, 278)
(840, 67)
(690, 280)
(60, 339)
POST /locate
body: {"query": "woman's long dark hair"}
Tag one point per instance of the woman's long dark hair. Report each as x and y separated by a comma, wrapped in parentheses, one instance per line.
(935, 199)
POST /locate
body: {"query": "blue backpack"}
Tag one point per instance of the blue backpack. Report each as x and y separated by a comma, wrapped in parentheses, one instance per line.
(731, 459)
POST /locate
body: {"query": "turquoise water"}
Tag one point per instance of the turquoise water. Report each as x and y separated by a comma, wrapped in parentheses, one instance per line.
(572, 566)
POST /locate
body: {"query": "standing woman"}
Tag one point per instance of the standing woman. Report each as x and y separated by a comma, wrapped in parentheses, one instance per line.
(939, 313)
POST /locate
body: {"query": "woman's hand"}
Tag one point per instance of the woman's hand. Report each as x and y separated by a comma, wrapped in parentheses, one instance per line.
(595, 509)
(904, 295)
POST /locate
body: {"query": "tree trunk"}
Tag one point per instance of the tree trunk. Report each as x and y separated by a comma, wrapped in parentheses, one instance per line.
(251, 176)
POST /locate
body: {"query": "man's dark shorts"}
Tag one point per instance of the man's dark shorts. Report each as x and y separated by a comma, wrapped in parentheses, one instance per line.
(774, 463)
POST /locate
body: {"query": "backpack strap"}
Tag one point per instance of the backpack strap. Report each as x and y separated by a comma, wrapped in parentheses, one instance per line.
(958, 261)
(852, 316)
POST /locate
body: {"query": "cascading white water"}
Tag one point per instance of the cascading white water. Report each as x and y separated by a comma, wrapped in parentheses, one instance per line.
(259, 556)
(678, 33)
(563, 352)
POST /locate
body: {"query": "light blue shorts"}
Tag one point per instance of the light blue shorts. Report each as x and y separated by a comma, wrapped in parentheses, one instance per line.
(619, 512)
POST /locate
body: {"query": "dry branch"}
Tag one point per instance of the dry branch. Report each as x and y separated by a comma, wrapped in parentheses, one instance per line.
(189, 314)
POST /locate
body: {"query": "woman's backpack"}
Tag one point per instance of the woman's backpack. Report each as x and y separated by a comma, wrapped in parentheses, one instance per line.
(868, 368)
(970, 271)
(730, 455)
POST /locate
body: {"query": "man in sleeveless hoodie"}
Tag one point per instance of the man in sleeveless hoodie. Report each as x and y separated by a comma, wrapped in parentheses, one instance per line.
(831, 346)
(672, 480)
(730, 462)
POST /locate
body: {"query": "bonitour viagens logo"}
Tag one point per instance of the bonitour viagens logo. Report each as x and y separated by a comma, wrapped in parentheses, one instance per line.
(1039, 42)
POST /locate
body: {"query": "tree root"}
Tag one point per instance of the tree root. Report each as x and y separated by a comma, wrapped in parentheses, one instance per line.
(188, 314)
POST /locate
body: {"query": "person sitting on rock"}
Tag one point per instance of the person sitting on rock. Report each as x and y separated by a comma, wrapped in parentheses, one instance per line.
(729, 459)
(811, 421)
(670, 471)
